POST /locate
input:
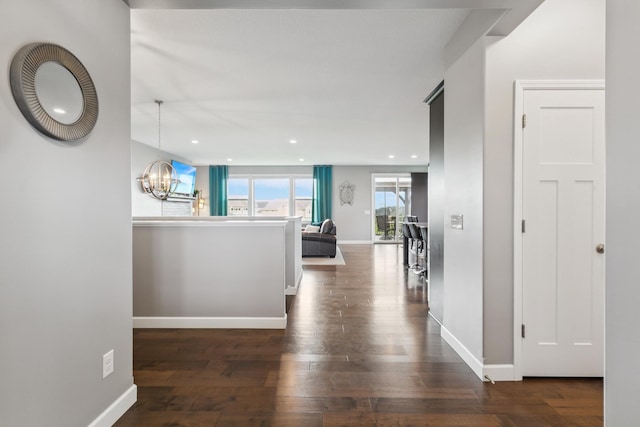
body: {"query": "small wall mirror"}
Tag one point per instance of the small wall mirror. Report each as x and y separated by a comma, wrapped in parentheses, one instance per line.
(59, 92)
(54, 91)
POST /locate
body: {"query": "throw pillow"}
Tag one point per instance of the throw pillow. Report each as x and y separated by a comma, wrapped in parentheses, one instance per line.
(312, 228)
(326, 227)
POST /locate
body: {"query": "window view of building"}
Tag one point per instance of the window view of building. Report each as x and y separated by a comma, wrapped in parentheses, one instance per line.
(303, 195)
(238, 197)
(271, 196)
(267, 196)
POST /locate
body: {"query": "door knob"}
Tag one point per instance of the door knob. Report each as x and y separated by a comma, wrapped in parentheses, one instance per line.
(600, 248)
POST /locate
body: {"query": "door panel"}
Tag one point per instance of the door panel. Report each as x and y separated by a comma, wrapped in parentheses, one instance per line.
(563, 206)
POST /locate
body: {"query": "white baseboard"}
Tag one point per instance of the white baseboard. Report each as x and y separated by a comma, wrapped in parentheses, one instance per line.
(211, 322)
(293, 290)
(117, 409)
(463, 352)
(354, 242)
(484, 372)
(499, 372)
(435, 319)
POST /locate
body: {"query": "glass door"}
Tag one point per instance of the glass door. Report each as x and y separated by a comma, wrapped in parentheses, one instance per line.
(392, 203)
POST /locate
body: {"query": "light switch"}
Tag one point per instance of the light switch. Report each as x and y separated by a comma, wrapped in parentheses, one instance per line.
(456, 222)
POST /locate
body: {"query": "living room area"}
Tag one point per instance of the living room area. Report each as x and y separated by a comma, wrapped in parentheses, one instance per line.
(357, 346)
(256, 196)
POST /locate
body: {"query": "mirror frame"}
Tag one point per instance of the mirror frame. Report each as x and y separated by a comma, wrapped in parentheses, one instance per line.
(22, 76)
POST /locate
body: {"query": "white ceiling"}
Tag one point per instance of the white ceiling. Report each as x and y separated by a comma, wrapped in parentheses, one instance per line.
(348, 85)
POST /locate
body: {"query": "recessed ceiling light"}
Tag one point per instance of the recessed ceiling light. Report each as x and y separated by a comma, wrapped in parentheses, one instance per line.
(414, 156)
(391, 156)
(229, 160)
(301, 160)
(292, 141)
(194, 141)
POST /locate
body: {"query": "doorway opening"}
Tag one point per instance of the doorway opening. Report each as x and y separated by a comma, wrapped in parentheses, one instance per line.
(391, 204)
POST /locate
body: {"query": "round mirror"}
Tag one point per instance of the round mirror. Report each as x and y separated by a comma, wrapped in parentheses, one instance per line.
(54, 91)
(58, 92)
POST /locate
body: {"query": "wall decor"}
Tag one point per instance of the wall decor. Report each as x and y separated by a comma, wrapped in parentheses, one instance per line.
(54, 91)
(346, 193)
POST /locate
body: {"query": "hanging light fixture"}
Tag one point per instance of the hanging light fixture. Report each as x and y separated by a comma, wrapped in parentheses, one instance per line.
(159, 179)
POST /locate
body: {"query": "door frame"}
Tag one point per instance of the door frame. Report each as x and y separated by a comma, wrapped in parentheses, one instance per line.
(372, 220)
(520, 86)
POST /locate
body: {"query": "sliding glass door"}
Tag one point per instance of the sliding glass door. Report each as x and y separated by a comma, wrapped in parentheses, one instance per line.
(391, 204)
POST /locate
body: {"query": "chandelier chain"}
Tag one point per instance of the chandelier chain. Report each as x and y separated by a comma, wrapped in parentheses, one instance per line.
(159, 102)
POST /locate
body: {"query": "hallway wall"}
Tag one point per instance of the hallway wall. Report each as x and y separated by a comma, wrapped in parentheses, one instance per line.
(622, 370)
(65, 274)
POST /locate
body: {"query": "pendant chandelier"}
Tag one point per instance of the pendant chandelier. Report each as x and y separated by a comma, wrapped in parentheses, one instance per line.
(159, 179)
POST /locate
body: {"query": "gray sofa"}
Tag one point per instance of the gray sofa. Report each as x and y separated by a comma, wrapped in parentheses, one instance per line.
(321, 243)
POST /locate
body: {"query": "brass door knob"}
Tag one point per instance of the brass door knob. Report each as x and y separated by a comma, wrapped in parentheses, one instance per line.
(600, 248)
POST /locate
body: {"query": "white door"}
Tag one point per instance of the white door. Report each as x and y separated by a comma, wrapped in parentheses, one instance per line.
(563, 209)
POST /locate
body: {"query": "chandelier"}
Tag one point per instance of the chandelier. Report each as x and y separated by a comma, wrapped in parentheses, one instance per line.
(159, 179)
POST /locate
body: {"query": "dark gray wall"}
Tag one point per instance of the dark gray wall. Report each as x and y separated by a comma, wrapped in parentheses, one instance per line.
(419, 195)
(436, 206)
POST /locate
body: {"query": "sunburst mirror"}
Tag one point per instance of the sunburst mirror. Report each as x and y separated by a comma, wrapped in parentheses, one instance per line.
(54, 91)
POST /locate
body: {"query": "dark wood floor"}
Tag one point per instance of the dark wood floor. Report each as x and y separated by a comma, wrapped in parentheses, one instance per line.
(359, 350)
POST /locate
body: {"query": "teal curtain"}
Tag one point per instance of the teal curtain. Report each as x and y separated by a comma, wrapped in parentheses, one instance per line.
(322, 197)
(218, 176)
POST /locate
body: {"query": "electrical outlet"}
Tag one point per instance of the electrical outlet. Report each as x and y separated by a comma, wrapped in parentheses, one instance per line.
(107, 364)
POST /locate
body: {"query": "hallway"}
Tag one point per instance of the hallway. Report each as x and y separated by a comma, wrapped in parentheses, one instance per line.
(360, 350)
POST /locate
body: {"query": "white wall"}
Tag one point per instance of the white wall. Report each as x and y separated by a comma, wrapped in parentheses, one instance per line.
(65, 251)
(622, 389)
(463, 135)
(141, 155)
(562, 39)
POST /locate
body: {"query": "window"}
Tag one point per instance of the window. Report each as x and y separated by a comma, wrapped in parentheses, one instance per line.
(270, 196)
(238, 197)
(303, 196)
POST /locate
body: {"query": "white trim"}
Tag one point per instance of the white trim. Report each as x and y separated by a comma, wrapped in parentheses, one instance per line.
(519, 87)
(435, 319)
(117, 409)
(211, 322)
(293, 290)
(484, 372)
(517, 228)
(160, 222)
(463, 352)
(498, 372)
(356, 242)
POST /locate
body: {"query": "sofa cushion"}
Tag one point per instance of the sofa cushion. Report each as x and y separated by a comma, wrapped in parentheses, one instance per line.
(319, 237)
(312, 228)
(326, 226)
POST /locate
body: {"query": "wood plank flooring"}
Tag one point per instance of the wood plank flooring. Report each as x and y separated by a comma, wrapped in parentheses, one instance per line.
(359, 350)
